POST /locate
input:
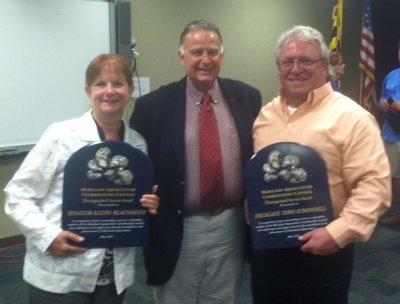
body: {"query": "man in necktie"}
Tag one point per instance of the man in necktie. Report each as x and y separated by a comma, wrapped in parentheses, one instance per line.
(198, 131)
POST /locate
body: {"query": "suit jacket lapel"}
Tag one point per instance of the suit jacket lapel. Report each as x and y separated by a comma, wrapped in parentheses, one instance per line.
(177, 120)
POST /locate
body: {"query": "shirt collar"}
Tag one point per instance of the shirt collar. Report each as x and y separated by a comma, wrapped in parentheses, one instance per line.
(315, 97)
(102, 134)
(196, 95)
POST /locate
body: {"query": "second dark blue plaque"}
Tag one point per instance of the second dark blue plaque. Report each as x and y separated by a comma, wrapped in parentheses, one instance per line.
(288, 195)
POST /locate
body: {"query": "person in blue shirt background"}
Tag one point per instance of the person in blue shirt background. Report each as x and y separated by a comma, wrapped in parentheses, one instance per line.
(336, 69)
(390, 103)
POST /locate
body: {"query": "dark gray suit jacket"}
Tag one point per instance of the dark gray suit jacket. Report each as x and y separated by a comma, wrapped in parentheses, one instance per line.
(160, 117)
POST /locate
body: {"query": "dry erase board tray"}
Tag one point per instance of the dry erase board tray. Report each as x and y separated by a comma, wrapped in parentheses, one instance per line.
(15, 150)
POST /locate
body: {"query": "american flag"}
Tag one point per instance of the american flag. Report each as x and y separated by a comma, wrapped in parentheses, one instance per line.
(367, 62)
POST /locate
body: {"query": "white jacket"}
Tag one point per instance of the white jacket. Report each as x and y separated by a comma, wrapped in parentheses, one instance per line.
(33, 201)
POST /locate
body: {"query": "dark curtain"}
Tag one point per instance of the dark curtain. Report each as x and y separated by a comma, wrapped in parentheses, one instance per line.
(386, 24)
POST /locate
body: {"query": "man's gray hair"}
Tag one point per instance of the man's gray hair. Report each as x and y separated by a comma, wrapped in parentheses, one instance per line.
(303, 32)
(199, 25)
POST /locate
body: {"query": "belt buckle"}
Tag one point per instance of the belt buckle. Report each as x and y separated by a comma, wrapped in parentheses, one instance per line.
(218, 211)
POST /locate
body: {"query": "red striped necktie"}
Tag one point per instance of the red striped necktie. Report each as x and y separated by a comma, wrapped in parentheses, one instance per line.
(211, 175)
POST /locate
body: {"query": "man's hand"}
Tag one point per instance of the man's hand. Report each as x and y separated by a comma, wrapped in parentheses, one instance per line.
(246, 212)
(318, 242)
(384, 105)
(60, 246)
(395, 107)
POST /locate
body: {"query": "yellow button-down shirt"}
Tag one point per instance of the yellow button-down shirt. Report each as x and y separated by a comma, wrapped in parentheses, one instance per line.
(348, 139)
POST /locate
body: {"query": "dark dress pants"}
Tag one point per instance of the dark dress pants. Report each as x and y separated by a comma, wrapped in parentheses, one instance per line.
(289, 276)
(102, 295)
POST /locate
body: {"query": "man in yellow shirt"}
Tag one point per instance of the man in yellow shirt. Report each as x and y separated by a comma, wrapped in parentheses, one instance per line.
(307, 111)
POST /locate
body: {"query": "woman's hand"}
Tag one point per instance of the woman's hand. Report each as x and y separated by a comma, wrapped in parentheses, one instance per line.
(61, 246)
(151, 201)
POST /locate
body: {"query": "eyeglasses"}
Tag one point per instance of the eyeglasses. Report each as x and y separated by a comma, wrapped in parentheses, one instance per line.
(302, 62)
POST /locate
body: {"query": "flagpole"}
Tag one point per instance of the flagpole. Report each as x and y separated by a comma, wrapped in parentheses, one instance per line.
(362, 77)
(361, 88)
(340, 25)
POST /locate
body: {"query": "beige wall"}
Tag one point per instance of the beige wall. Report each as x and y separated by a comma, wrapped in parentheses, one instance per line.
(249, 29)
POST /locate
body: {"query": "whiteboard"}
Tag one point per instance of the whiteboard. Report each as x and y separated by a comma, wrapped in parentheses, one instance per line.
(45, 47)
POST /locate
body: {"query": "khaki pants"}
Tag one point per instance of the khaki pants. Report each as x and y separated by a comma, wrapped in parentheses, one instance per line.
(211, 261)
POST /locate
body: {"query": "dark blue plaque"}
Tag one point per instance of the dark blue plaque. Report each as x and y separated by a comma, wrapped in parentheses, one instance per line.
(288, 195)
(103, 184)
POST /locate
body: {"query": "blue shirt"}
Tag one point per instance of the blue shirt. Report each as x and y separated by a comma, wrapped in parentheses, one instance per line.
(335, 85)
(391, 89)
